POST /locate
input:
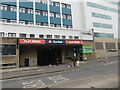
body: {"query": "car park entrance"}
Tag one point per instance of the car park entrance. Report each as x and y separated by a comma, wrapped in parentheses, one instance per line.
(46, 52)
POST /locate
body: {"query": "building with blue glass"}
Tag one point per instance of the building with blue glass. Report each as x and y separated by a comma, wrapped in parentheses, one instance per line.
(37, 32)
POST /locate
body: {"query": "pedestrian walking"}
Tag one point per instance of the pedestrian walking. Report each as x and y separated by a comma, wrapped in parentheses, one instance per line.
(57, 61)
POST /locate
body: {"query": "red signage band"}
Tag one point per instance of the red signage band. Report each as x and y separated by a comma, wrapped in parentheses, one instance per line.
(31, 41)
(74, 42)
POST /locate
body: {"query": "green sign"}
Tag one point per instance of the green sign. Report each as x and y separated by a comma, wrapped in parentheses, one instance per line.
(87, 49)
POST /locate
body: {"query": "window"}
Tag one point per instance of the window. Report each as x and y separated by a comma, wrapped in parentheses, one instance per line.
(30, 11)
(11, 34)
(76, 37)
(12, 21)
(69, 17)
(70, 37)
(32, 35)
(52, 14)
(22, 35)
(102, 25)
(57, 36)
(44, 24)
(63, 37)
(63, 5)
(64, 16)
(41, 36)
(57, 15)
(12, 8)
(8, 50)
(43, 1)
(49, 36)
(3, 20)
(45, 13)
(69, 6)
(4, 7)
(22, 22)
(51, 3)
(57, 4)
(30, 23)
(97, 15)
(69, 26)
(110, 45)
(58, 26)
(52, 25)
(39, 24)
(37, 12)
(101, 7)
(98, 45)
(2, 34)
(104, 35)
(22, 10)
(64, 26)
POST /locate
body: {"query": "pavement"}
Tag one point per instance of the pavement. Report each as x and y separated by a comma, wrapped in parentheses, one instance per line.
(30, 71)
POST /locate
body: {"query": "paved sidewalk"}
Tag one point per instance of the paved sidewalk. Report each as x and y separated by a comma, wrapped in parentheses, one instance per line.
(30, 71)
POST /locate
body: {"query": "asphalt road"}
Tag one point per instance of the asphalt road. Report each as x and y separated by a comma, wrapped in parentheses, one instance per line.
(94, 74)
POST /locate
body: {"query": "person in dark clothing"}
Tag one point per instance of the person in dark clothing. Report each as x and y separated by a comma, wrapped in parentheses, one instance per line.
(57, 61)
(74, 62)
(81, 57)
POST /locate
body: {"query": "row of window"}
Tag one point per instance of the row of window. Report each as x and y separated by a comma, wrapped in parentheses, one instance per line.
(37, 12)
(32, 23)
(2, 34)
(53, 3)
(41, 1)
(101, 25)
(108, 45)
(104, 35)
(101, 16)
(101, 7)
(111, 1)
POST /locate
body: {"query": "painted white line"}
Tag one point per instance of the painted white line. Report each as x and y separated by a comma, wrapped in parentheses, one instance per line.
(58, 78)
(33, 84)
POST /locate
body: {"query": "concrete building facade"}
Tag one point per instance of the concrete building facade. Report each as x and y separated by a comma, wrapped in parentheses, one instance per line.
(37, 32)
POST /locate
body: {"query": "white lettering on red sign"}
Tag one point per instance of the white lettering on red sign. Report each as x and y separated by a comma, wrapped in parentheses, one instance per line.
(74, 42)
(31, 41)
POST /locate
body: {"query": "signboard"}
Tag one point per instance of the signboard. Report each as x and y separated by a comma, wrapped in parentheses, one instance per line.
(55, 41)
(87, 49)
(37, 41)
(74, 42)
(31, 41)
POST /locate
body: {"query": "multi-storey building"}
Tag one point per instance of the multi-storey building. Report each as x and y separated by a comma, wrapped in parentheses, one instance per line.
(37, 32)
(102, 16)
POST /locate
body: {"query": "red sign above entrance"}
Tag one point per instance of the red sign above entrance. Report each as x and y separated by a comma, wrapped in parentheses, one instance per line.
(74, 42)
(31, 41)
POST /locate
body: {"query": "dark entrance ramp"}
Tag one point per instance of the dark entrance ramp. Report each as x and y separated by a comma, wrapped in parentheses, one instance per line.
(48, 55)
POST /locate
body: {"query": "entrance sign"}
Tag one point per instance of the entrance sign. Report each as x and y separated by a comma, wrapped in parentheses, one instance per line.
(31, 41)
(37, 41)
(55, 41)
(74, 42)
(87, 49)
